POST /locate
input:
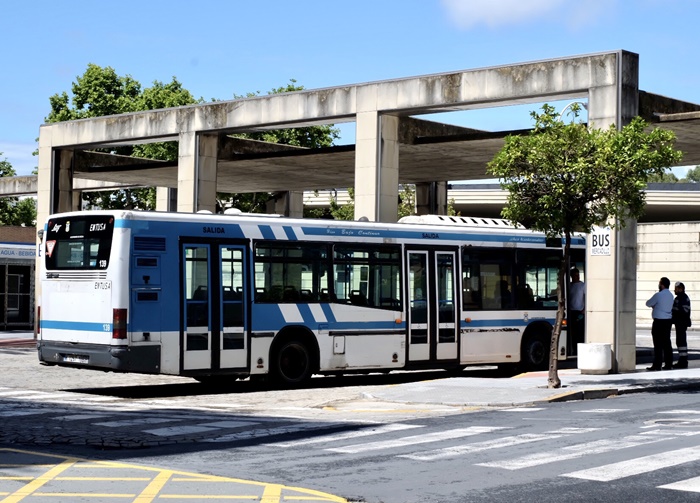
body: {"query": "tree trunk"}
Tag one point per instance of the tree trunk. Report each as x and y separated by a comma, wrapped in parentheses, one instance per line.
(553, 380)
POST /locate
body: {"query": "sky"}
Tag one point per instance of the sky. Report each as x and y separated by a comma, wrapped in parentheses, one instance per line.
(220, 49)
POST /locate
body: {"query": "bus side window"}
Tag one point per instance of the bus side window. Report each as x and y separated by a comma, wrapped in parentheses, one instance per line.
(471, 289)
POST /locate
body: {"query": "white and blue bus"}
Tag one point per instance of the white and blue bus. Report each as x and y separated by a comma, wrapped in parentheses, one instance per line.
(240, 295)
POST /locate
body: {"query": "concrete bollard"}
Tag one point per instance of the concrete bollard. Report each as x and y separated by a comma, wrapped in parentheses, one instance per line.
(594, 358)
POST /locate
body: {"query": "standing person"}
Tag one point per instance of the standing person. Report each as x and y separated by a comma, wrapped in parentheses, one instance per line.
(577, 307)
(681, 319)
(661, 304)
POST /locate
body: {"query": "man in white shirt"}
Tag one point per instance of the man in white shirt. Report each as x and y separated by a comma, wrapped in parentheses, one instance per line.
(661, 304)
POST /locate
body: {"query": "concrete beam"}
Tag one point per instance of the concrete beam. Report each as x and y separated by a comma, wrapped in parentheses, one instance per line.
(520, 83)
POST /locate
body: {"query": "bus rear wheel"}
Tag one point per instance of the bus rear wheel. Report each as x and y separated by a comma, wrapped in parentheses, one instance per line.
(535, 353)
(292, 364)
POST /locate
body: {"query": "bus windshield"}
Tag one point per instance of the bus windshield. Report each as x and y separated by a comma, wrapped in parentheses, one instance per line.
(79, 243)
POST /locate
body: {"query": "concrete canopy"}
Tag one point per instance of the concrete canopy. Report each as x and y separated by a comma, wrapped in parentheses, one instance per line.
(253, 166)
(429, 151)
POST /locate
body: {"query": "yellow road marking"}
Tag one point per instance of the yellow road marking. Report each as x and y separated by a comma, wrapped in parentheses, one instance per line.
(152, 490)
(272, 493)
(86, 495)
(28, 489)
(107, 479)
(246, 497)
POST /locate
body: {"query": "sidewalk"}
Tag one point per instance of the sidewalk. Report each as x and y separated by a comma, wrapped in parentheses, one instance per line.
(531, 388)
(17, 339)
(524, 389)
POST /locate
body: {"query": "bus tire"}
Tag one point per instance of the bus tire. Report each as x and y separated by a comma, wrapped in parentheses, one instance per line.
(292, 362)
(535, 352)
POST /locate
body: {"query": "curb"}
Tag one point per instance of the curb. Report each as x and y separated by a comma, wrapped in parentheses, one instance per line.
(584, 394)
(17, 343)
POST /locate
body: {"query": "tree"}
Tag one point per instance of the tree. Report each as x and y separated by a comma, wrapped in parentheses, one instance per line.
(306, 137)
(99, 92)
(693, 175)
(15, 211)
(563, 178)
(665, 177)
(407, 205)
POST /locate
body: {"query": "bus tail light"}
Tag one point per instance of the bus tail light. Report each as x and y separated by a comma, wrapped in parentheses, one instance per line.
(37, 323)
(119, 324)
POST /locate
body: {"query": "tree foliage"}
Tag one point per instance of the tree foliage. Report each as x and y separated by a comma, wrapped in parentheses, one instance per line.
(13, 210)
(99, 92)
(665, 177)
(564, 177)
(693, 175)
(306, 137)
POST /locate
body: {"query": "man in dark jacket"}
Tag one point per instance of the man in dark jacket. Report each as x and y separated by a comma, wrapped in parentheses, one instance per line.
(681, 319)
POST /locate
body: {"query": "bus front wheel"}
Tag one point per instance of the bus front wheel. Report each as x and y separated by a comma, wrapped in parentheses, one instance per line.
(535, 352)
(292, 363)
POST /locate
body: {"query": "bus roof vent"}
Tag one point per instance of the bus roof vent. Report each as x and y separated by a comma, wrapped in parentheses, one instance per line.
(457, 221)
(143, 243)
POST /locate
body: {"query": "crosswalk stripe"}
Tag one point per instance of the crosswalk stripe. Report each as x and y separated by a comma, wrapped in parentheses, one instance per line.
(602, 411)
(679, 411)
(269, 432)
(637, 466)
(690, 485)
(573, 452)
(141, 421)
(387, 428)
(416, 439)
(497, 443)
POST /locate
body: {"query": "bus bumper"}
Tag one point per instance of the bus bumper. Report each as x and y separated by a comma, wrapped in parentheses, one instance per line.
(144, 359)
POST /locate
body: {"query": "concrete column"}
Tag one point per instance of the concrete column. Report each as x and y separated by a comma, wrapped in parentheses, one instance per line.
(166, 199)
(63, 174)
(376, 167)
(77, 203)
(431, 198)
(611, 280)
(196, 172)
(288, 204)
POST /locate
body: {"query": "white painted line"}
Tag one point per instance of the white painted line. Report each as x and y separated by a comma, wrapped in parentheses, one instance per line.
(497, 443)
(689, 485)
(15, 413)
(573, 452)
(637, 466)
(416, 439)
(261, 432)
(14, 393)
(229, 424)
(171, 431)
(80, 417)
(136, 422)
(523, 409)
(350, 434)
(679, 411)
(602, 411)
(671, 433)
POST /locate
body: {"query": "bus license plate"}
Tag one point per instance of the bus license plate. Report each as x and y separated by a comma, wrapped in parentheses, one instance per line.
(76, 359)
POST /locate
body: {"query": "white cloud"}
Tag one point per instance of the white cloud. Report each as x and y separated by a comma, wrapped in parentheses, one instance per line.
(493, 13)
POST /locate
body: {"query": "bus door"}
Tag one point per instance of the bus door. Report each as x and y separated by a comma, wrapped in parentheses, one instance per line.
(214, 306)
(233, 302)
(432, 305)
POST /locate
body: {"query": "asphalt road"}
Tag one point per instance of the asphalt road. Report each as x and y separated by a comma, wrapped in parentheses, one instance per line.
(66, 434)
